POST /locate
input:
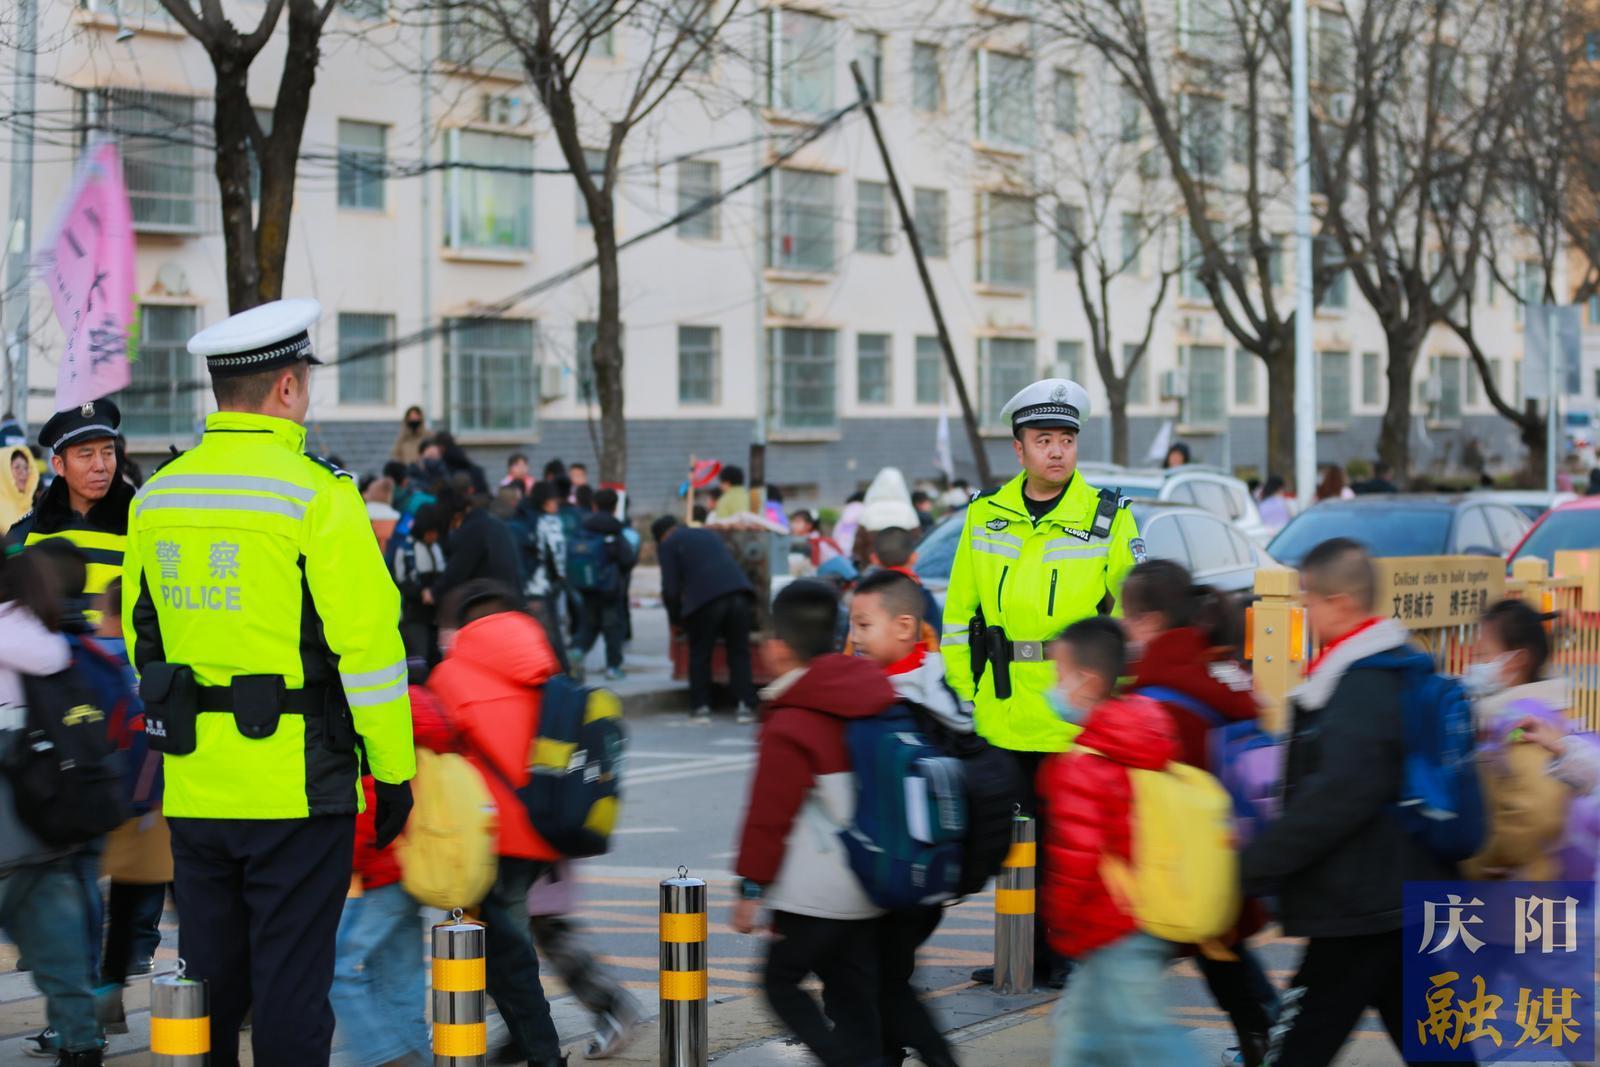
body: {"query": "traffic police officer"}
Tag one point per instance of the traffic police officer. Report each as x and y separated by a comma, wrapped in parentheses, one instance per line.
(88, 502)
(1036, 555)
(265, 629)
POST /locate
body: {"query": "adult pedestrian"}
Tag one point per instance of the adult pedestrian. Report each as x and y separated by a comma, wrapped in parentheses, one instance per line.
(88, 502)
(1334, 485)
(1337, 858)
(547, 576)
(18, 483)
(1382, 481)
(1277, 503)
(708, 594)
(408, 442)
(1177, 456)
(517, 472)
(263, 627)
(1036, 555)
(480, 546)
(601, 579)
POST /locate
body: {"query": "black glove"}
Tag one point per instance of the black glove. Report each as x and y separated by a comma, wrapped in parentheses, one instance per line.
(394, 805)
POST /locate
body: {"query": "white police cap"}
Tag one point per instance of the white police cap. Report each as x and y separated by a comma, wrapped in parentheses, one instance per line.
(265, 337)
(1053, 404)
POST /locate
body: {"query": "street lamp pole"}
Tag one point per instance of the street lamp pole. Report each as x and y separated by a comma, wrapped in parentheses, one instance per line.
(1305, 397)
(19, 238)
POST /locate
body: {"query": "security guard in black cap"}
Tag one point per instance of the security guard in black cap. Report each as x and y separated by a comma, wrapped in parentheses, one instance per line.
(88, 502)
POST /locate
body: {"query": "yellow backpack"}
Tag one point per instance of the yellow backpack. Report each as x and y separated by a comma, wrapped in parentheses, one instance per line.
(447, 851)
(1183, 882)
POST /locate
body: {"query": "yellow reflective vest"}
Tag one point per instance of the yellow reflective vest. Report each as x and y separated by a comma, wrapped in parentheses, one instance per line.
(100, 535)
(246, 556)
(1034, 579)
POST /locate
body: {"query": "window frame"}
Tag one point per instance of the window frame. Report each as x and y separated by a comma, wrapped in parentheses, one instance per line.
(491, 396)
(690, 195)
(351, 373)
(884, 379)
(713, 356)
(351, 186)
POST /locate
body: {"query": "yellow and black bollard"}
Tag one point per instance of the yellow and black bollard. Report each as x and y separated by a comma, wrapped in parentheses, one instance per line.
(460, 1004)
(684, 1020)
(180, 1021)
(1014, 904)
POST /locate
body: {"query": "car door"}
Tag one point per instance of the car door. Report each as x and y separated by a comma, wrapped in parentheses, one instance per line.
(1215, 551)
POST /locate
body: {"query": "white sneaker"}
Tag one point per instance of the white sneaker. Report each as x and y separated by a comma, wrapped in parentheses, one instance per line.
(700, 717)
(744, 716)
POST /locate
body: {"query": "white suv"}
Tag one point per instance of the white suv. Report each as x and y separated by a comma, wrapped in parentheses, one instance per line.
(1210, 488)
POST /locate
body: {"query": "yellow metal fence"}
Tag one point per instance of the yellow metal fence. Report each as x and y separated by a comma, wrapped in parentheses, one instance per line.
(1440, 598)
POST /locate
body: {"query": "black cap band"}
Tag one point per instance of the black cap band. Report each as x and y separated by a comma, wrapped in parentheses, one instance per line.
(278, 354)
(1054, 411)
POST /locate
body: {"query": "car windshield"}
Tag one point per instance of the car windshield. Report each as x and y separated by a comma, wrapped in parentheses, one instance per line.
(1386, 531)
(1561, 531)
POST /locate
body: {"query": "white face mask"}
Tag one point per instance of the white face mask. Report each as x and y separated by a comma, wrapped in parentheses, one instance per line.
(1487, 678)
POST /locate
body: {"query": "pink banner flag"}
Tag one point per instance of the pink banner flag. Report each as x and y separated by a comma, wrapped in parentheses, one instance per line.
(87, 261)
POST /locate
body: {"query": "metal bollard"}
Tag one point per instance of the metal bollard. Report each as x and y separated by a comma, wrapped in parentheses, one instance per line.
(460, 1005)
(684, 1018)
(180, 1021)
(1014, 904)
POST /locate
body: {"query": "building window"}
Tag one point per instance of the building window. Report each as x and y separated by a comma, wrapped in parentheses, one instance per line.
(804, 364)
(1593, 305)
(158, 169)
(1239, 136)
(1203, 25)
(930, 371)
(365, 379)
(492, 374)
(1371, 379)
(363, 158)
(1325, 254)
(489, 209)
(1132, 242)
(1191, 258)
(800, 62)
(931, 212)
(699, 182)
(1065, 112)
(800, 220)
(872, 368)
(1005, 100)
(1530, 288)
(872, 218)
(584, 338)
(1278, 141)
(1446, 371)
(1207, 403)
(366, 10)
(1201, 118)
(1006, 367)
(158, 402)
(1495, 377)
(1469, 370)
(869, 54)
(1277, 260)
(1130, 115)
(477, 45)
(1069, 236)
(699, 364)
(594, 161)
(927, 78)
(1333, 388)
(1139, 380)
(1006, 251)
(1069, 361)
(1244, 379)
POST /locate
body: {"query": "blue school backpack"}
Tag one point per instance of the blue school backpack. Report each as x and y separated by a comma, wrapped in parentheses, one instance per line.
(907, 839)
(1441, 800)
(1246, 759)
(591, 562)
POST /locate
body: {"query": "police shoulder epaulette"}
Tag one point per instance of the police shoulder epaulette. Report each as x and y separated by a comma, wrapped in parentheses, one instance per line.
(977, 495)
(332, 468)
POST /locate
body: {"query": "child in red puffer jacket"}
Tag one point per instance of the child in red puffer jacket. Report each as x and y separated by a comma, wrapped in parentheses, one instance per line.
(378, 992)
(1113, 1009)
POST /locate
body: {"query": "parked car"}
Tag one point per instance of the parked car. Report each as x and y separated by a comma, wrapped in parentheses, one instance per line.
(1573, 525)
(1531, 502)
(1405, 524)
(1211, 488)
(1215, 552)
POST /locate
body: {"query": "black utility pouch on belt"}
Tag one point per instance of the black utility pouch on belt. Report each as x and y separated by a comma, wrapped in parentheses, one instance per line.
(171, 705)
(257, 704)
(338, 722)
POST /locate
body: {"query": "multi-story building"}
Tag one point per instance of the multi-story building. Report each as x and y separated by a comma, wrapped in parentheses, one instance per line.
(791, 308)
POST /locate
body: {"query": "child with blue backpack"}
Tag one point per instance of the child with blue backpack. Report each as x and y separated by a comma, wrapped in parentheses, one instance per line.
(791, 858)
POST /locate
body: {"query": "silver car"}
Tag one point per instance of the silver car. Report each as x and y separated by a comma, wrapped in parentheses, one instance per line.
(1211, 488)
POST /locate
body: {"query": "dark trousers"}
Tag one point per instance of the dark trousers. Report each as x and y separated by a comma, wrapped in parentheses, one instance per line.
(727, 618)
(513, 965)
(133, 927)
(1045, 959)
(1241, 988)
(603, 614)
(844, 955)
(1339, 979)
(260, 900)
(905, 1018)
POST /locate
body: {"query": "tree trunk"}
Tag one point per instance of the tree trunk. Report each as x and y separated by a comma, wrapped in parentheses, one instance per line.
(1531, 428)
(283, 148)
(608, 349)
(1394, 438)
(1117, 401)
(1281, 411)
(233, 119)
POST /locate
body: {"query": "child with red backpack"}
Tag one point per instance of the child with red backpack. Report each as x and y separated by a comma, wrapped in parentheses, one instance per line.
(1113, 1010)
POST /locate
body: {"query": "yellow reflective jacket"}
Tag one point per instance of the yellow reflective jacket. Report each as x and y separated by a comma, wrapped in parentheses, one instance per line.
(1033, 579)
(248, 557)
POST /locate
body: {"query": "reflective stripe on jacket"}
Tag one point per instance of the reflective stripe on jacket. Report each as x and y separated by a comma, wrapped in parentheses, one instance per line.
(1033, 579)
(247, 557)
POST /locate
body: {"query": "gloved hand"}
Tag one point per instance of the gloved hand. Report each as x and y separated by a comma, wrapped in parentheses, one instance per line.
(394, 805)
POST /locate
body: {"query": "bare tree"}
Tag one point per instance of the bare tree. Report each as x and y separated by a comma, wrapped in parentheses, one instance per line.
(1209, 68)
(592, 114)
(256, 236)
